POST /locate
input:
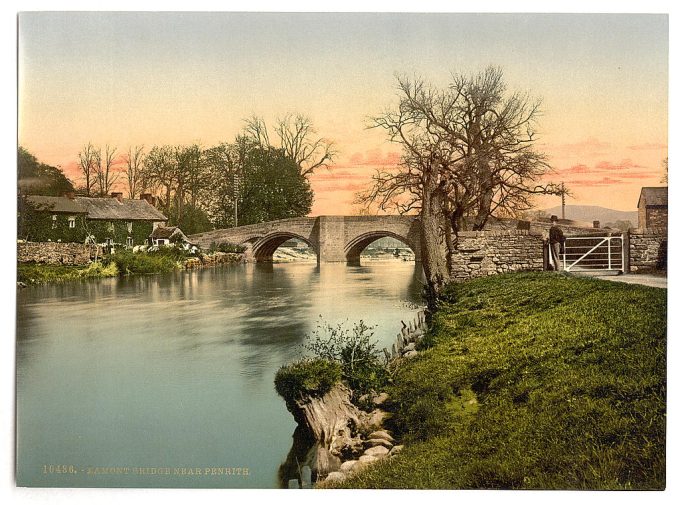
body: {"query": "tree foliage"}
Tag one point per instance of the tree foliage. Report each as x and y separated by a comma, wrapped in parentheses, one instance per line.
(272, 187)
(37, 178)
(468, 153)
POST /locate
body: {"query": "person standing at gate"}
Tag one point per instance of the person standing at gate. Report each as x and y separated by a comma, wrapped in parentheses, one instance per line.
(556, 240)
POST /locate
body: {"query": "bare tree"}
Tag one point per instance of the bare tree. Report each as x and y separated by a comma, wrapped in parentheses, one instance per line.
(86, 163)
(298, 139)
(134, 171)
(106, 174)
(468, 152)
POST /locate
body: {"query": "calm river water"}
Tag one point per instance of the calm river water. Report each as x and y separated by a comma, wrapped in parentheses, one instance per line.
(139, 382)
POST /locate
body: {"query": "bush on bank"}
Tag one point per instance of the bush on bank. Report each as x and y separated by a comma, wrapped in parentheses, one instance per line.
(535, 381)
(313, 377)
(129, 262)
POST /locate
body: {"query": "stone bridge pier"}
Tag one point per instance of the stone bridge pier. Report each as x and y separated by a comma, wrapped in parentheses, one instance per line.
(333, 238)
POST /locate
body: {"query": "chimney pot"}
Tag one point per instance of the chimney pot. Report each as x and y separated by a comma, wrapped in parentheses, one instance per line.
(117, 195)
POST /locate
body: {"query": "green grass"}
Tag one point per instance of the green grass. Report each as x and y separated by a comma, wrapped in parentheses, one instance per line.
(535, 381)
(33, 273)
(145, 263)
(313, 377)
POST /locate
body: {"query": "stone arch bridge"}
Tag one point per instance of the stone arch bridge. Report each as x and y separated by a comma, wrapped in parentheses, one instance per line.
(333, 238)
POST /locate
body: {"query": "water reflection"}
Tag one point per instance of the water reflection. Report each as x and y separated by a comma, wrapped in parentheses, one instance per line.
(177, 370)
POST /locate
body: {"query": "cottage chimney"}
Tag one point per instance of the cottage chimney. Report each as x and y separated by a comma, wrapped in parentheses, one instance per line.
(71, 195)
(117, 195)
(147, 196)
(596, 224)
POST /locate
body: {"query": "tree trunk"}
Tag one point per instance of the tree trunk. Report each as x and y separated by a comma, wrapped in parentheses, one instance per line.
(433, 252)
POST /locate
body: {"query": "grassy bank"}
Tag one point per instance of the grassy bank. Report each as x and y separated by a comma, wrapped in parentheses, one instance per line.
(536, 381)
(33, 273)
(122, 263)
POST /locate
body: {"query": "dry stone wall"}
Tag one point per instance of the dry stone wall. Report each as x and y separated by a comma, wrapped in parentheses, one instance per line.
(648, 250)
(482, 253)
(53, 253)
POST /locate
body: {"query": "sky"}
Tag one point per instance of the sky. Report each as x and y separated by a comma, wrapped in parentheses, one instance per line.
(177, 78)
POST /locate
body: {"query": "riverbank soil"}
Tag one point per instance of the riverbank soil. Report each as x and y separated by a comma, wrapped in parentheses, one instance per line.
(533, 381)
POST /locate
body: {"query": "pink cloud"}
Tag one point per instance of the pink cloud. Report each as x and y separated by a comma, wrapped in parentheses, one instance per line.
(622, 165)
(647, 146)
(71, 170)
(333, 174)
(576, 169)
(340, 186)
(371, 158)
(605, 181)
(638, 175)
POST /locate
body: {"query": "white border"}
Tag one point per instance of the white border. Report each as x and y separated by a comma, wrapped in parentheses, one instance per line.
(10, 494)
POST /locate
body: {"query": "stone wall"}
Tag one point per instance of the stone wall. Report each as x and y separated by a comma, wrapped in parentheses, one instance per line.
(648, 250)
(484, 253)
(657, 218)
(53, 253)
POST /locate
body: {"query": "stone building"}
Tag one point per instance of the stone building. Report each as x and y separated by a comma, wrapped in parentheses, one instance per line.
(70, 218)
(653, 209)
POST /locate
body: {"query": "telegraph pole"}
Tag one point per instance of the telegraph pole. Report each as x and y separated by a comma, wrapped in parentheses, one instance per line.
(563, 199)
(236, 193)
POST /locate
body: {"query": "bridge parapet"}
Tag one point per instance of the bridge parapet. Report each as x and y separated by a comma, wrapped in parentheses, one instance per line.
(334, 238)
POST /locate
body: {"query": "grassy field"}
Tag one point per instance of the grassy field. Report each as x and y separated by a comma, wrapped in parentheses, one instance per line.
(535, 381)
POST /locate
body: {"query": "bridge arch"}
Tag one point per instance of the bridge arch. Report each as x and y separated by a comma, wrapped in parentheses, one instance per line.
(265, 246)
(354, 247)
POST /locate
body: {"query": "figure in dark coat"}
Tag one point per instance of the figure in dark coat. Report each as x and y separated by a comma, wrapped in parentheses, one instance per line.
(556, 239)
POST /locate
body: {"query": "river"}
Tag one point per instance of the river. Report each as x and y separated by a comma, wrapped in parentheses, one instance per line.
(167, 380)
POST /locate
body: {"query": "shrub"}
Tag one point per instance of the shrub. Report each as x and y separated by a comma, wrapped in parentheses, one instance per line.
(313, 377)
(353, 349)
(142, 263)
(226, 247)
(97, 269)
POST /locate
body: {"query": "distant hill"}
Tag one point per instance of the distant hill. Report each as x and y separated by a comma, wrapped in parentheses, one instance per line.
(591, 213)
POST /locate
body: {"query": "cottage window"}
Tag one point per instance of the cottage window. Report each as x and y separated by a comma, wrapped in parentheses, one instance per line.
(110, 226)
(71, 222)
(54, 221)
(129, 242)
(129, 225)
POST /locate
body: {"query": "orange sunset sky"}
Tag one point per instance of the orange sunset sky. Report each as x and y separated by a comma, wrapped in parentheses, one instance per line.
(177, 78)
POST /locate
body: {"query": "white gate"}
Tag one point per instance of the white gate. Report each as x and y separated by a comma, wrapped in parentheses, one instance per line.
(589, 253)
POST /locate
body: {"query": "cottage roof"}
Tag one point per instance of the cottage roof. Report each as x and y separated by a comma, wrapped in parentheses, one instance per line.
(56, 204)
(654, 196)
(167, 232)
(126, 210)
